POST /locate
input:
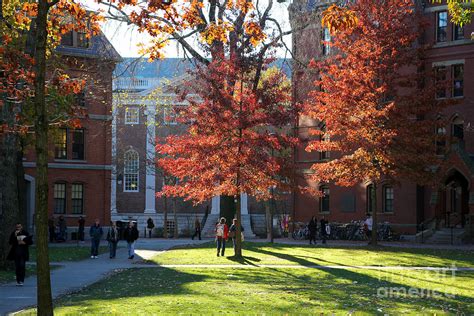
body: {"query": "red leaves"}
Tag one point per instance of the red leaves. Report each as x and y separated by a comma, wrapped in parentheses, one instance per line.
(367, 98)
(229, 148)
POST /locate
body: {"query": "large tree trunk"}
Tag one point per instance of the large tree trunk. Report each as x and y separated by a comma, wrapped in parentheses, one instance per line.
(373, 241)
(10, 175)
(45, 304)
(269, 217)
(175, 218)
(165, 217)
(238, 235)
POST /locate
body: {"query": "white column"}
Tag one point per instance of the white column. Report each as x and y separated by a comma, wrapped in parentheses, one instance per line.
(113, 182)
(244, 210)
(216, 205)
(150, 160)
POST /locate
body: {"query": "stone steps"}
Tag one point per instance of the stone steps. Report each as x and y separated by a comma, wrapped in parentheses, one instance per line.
(443, 236)
(208, 229)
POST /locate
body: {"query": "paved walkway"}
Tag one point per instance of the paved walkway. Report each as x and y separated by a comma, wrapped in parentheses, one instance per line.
(73, 276)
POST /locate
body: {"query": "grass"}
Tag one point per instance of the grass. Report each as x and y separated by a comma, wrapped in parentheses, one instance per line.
(67, 253)
(270, 291)
(265, 253)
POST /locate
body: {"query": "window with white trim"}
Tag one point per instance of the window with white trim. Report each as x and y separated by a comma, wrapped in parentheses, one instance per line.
(388, 198)
(132, 115)
(170, 116)
(60, 198)
(441, 26)
(130, 172)
(324, 199)
(326, 42)
(77, 198)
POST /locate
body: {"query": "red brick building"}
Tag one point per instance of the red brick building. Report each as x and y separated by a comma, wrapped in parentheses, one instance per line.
(80, 163)
(408, 205)
(144, 102)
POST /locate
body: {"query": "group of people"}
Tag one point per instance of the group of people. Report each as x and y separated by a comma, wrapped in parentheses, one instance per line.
(223, 233)
(130, 235)
(325, 229)
(58, 229)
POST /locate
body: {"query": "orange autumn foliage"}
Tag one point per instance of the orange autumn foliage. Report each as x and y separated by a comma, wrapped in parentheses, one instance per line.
(379, 118)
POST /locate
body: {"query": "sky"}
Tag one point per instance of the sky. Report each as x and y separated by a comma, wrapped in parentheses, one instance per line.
(125, 38)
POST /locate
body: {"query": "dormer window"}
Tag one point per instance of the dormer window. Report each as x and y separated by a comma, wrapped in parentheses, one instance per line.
(75, 39)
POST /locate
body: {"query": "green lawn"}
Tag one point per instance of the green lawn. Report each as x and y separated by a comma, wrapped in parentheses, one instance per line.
(271, 291)
(67, 253)
(265, 253)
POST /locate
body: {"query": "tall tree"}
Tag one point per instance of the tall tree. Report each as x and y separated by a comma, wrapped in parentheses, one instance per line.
(232, 133)
(239, 34)
(378, 115)
(337, 17)
(39, 26)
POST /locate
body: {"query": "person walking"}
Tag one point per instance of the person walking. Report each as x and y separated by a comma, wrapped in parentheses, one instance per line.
(96, 233)
(368, 224)
(62, 228)
(197, 229)
(149, 226)
(19, 240)
(131, 235)
(80, 231)
(112, 238)
(324, 229)
(52, 229)
(312, 227)
(222, 234)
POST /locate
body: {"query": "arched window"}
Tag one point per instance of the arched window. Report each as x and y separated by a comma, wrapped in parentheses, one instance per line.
(324, 199)
(387, 198)
(130, 172)
(370, 198)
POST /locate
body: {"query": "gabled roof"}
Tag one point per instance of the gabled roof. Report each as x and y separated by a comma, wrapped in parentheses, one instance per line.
(171, 67)
(100, 48)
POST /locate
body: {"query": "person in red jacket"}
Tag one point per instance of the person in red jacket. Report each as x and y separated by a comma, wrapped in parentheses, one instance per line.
(222, 233)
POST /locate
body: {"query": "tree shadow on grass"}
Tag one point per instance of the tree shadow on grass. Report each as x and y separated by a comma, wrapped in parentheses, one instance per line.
(244, 260)
(355, 277)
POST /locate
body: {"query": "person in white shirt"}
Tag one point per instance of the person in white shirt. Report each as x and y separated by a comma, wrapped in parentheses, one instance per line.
(368, 225)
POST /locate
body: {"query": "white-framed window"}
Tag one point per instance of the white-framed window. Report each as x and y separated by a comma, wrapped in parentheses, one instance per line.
(130, 171)
(388, 198)
(324, 199)
(60, 198)
(326, 41)
(132, 115)
(170, 116)
(77, 198)
(441, 26)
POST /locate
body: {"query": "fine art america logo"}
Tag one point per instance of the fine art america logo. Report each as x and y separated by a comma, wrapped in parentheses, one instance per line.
(398, 289)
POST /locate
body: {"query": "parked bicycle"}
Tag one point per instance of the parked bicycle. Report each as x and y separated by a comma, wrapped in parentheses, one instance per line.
(301, 234)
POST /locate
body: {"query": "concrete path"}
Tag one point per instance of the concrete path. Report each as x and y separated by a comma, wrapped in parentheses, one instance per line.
(73, 276)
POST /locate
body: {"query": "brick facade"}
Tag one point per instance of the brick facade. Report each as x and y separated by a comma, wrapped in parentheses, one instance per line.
(86, 167)
(449, 203)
